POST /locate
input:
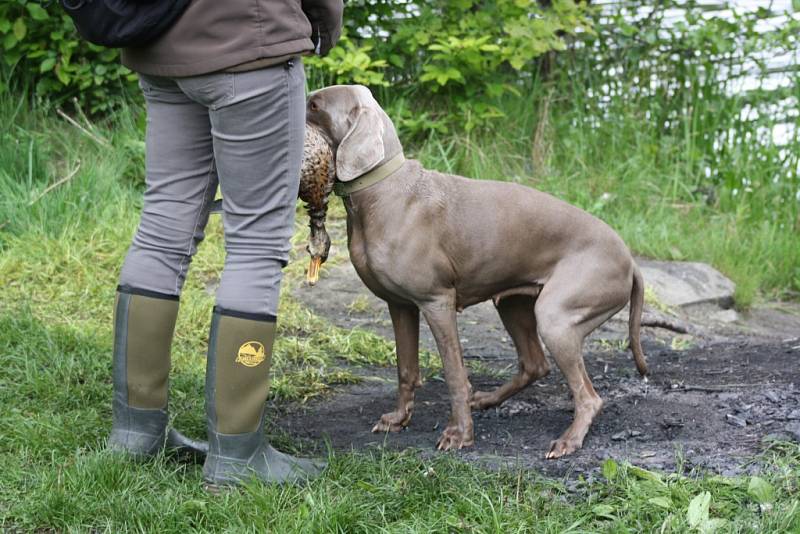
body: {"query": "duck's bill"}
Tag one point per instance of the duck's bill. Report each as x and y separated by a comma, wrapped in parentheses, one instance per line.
(313, 270)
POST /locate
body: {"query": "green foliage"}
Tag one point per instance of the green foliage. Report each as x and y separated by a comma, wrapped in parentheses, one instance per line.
(680, 167)
(462, 56)
(44, 48)
(438, 47)
(697, 515)
(761, 491)
(347, 63)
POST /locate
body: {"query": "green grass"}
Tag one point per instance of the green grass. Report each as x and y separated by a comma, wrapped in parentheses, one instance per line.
(54, 385)
(60, 253)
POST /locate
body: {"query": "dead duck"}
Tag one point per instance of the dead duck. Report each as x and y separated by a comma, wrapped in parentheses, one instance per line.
(317, 176)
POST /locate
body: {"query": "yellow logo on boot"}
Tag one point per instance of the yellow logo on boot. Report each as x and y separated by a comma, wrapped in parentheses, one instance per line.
(251, 354)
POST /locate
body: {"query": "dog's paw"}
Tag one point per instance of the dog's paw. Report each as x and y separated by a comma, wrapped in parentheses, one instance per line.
(482, 400)
(454, 438)
(562, 447)
(392, 422)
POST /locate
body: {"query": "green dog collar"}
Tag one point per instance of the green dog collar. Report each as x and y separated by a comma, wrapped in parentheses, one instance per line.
(374, 176)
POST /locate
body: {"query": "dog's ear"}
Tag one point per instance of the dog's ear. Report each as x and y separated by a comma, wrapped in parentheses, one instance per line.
(361, 148)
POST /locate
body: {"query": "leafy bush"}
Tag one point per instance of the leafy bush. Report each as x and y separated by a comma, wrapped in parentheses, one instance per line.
(463, 55)
(347, 63)
(42, 46)
(441, 48)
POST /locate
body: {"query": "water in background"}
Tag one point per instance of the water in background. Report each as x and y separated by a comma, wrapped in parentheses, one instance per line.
(765, 71)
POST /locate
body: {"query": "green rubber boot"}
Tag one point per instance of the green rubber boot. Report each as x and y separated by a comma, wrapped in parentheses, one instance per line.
(237, 383)
(144, 323)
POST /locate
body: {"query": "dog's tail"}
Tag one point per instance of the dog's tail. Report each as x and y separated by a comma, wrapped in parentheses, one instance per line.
(635, 321)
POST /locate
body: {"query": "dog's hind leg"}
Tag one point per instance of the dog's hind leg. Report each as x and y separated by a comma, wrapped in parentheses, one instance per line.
(516, 312)
(572, 305)
(405, 320)
(565, 345)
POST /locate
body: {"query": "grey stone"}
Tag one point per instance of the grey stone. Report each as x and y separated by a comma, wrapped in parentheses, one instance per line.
(735, 420)
(514, 407)
(794, 430)
(679, 283)
(725, 316)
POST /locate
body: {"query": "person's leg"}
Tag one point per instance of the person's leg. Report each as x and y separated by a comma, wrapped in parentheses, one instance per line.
(258, 124)
(258, 146)
(180, 185)
(181, 181)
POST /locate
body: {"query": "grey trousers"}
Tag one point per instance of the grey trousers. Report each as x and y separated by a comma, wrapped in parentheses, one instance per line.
(243, 131)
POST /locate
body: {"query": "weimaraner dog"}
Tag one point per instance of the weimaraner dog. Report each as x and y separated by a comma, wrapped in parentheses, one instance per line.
(431, 242)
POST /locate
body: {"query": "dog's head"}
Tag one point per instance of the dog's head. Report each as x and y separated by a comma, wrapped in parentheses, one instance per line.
(361, 133)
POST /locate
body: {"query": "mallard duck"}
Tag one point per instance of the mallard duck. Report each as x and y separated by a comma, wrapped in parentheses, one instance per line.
(316, 183)
(317, 176)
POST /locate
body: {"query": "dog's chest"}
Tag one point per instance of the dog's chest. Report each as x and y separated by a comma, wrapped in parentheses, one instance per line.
(374, 266)
(373, 278)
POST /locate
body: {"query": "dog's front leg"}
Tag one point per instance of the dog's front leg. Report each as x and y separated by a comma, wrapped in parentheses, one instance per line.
(405, 320)
(441, 317)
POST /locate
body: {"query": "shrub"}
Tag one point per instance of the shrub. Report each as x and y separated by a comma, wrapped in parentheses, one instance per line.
(41, 45)
(441, 48)
(464, 54)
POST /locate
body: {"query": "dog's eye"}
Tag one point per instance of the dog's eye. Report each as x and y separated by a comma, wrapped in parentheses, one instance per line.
(313, 106)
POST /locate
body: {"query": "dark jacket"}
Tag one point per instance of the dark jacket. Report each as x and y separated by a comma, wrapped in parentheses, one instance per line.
(215, 35)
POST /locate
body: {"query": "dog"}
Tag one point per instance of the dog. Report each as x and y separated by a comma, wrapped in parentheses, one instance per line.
(434, 243)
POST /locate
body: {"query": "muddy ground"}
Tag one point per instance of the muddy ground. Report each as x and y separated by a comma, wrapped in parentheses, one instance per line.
(712, 398)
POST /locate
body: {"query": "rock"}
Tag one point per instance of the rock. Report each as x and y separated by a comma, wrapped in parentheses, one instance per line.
(794, 430)
(772, 396)
(672, 423)
(735, 420)
(679, 283)
(724, 316)
(514, 407)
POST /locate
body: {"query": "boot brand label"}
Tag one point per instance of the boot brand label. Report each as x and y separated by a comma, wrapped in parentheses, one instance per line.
(251, 354)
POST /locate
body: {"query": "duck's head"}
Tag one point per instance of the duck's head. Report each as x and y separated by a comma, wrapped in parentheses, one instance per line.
(319, 245)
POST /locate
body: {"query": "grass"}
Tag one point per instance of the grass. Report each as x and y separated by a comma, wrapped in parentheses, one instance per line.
(60, 252)
(56, 475)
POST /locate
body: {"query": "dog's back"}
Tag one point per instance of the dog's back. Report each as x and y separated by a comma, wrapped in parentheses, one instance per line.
(500, 232)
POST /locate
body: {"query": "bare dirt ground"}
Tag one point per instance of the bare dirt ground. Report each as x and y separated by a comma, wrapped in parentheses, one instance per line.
(712, 397)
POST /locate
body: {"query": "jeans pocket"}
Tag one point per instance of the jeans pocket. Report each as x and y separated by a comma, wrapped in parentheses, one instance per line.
(211, 90)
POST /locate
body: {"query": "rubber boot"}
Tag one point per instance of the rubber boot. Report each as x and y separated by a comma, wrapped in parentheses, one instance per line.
(237, 383)
(144, 323)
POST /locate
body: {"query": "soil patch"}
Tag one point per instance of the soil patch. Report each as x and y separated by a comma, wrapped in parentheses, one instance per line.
(712, 398)
(711, 406)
